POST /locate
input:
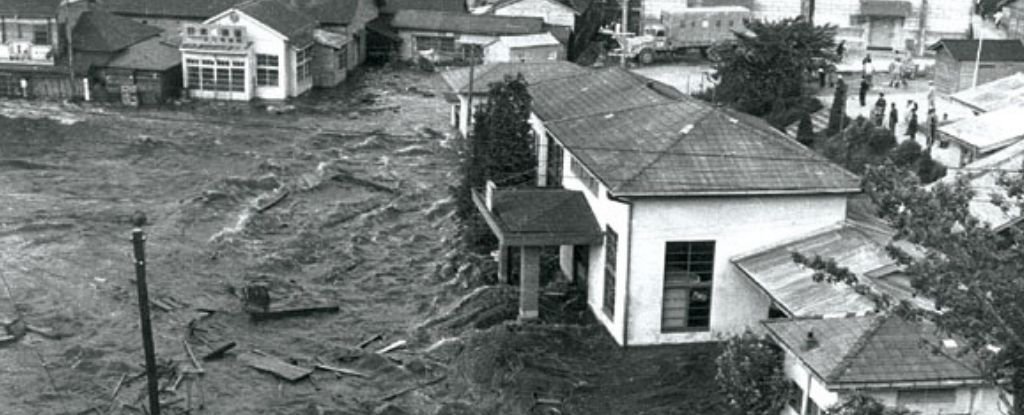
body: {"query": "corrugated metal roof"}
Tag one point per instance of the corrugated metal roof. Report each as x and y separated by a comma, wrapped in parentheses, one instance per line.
(872, 350)
(989, 131)
(791, 285)
(994, 95)
(526, 41)
(984, 176)
(639, 142)
(458, 79)
(437, 21)
(992, 50)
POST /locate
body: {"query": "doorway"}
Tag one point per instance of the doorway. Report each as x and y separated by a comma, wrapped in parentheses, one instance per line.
(881, 33)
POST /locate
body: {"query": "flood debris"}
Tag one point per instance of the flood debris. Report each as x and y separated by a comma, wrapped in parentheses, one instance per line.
(276, 199)
(341, 370)
(291, 311)
(367, 342)
(219, 351)
(266, 363)
(393, 346)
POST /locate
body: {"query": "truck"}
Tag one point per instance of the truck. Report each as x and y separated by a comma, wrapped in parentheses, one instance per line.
(678, 31)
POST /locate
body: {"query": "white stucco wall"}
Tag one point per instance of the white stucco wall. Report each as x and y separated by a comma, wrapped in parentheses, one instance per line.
(551, 11)
(737, 225)
(776, 9)
(653, 8)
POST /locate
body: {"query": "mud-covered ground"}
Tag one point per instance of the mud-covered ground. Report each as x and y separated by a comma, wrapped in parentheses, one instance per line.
(365, 224)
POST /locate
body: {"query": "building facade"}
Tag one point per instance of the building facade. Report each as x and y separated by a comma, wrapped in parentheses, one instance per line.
(262, 49)
(526, 48)
(447, 36)
(955, 62)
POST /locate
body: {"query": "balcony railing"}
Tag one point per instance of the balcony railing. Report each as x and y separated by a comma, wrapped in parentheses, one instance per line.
(26, 53)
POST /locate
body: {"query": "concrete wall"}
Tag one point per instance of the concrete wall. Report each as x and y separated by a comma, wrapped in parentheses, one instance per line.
(737, 225)
(551, 11)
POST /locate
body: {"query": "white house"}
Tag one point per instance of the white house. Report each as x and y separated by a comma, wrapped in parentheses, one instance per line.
(458, 80)
(455, 36)
(899, 363)
(524, 48)
(257, 49)
(677, 188)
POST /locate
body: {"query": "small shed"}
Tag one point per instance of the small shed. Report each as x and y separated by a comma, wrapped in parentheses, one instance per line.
(154, 67)
(955, 61)
(524, 48)
(977, 137)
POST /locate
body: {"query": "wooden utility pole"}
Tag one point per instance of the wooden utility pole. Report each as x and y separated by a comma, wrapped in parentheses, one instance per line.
(469, 101)
(139, 247)
(810, 11)
(71, 53)
(977, 59)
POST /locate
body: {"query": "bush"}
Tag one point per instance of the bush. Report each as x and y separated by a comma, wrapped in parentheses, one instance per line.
(805, 130)
(909, 155)
(750, 376)
(861, 144)
(865, 405)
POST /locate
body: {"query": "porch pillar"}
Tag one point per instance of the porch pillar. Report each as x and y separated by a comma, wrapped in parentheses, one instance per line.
(529, 283)
(503, 264)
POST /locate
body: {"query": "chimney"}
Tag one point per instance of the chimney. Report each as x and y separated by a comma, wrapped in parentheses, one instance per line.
(811, 341)
(489, 195)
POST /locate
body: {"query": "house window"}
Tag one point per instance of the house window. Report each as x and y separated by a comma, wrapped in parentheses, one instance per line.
(437, 43)
(718, 24)
(190, 30)
(584, 176)
(581, 263)
(267, 70)
(215, 75)
(686, 301)
(730, 23)
(926, 397)
(682, 25)
(611, 244)
(555, 155)
(41, 34)
(303, 57)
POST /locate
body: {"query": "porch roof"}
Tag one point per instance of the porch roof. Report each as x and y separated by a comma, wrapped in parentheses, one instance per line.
(539, 217)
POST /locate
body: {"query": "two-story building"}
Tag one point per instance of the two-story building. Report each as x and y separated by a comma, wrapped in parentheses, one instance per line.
(33, 45)
(258, 49)
(676, 188)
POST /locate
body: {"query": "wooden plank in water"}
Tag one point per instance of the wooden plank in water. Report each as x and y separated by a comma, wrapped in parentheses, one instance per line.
(292, 312)
(276, 366)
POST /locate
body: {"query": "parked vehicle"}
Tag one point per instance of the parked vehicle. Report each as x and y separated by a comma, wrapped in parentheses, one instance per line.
(679, 31)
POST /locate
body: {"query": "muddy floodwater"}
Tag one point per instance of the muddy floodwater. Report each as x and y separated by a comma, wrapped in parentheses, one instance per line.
(340, 199)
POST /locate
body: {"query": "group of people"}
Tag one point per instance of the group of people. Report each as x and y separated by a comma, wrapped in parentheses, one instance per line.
(878, 116)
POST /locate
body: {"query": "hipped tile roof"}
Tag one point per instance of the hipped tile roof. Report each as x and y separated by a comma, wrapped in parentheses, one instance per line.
(29, 8)
(150, 55)
(289, 21)
(639, 142)
(880, 349)
(486, 74)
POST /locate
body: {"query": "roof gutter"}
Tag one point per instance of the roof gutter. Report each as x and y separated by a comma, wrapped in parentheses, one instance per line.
(783, 192)
(914, 384)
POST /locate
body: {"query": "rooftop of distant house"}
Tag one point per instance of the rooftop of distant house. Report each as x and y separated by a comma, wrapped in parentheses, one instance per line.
(486, 74)
(983, 178)
(875, 350)
(394, 6)
(99, 31)
(991, 96)
(993, 50)
(439, 21)
(29, 8)
(283, 18)
(338, 12)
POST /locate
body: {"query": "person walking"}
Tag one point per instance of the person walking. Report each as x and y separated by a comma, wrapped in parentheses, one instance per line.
(878, 115)
(933, 125)
(895, 68)
(864, 86)
(931, 96)
(912, 125)
(894, 117)
(868, 68)
(841, 50)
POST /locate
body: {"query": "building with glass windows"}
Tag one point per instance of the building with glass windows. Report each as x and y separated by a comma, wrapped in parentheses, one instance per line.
(257, 49)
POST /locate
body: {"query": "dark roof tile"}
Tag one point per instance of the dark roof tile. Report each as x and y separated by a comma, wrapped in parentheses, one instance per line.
(29, 8)
(150, 55)
(289, 21)
(486, 74)
(439, 21)
(99, 31)
(393, 6)
(993, 50)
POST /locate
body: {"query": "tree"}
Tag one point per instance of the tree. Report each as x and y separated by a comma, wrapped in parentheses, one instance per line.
(859, 145)
(865, 405)
(971, 271)
(772, 63)
(751, 377)
(805, 130)
(837, 119)
(500, 149)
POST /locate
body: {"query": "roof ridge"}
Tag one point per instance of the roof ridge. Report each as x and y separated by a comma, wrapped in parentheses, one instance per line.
(858, 347)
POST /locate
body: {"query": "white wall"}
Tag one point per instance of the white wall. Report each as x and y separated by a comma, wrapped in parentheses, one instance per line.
(653, 8)
(777, 9)
(811, 386)
(552, 12)
(266, 42)
(737, 225)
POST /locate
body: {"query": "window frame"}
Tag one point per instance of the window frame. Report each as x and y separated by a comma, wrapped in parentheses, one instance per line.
(556, 162)
(267, 69)
(699, 265)
(303, 62)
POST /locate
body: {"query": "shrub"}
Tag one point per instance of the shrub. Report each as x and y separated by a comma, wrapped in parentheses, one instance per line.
(750, 376)
(865, 405)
